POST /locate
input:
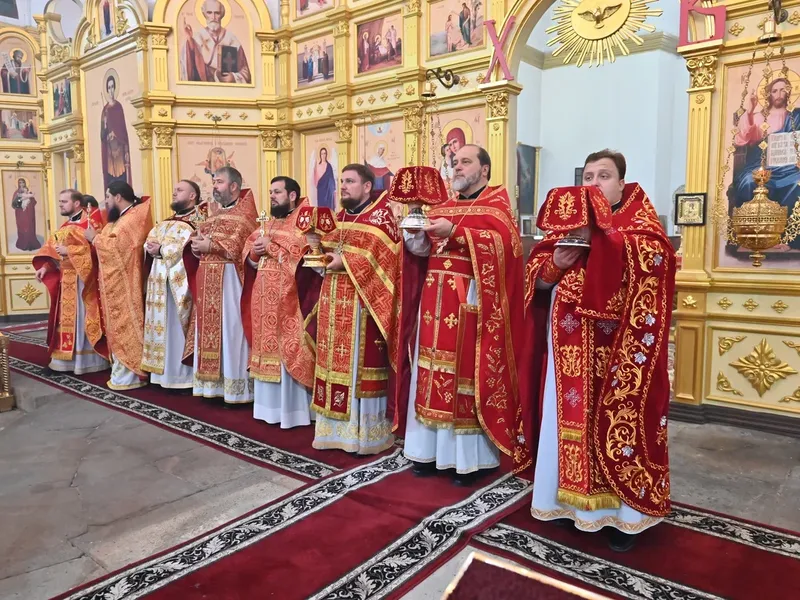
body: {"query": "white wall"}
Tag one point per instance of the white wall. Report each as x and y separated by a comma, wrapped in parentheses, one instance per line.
(26, 9)
(637, 105)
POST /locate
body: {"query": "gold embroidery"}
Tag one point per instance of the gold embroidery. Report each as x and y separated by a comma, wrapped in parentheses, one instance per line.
(451, 321)
(566, 206)
(573, 466)
(601, 362)
(645, 302)
(571, 363)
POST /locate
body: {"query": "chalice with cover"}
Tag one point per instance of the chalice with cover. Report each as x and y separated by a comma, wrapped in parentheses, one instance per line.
(319, 220)
(417, 185)
(568, 209)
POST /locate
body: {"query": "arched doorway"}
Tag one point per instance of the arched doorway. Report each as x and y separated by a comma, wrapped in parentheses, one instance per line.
(636, 105)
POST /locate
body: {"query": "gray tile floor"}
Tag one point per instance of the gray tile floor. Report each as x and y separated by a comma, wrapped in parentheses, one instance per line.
(85, 490)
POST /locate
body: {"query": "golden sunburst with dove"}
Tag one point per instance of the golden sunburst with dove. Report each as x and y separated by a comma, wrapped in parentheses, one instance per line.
(594, 30)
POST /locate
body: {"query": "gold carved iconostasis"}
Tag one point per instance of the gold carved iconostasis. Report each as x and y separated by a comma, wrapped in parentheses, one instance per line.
(738, 325)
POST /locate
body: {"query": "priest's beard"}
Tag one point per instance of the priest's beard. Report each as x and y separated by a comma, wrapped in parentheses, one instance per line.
(461, 183)
(350, 203)
(180, 207)
(281, 211)
(113, 214)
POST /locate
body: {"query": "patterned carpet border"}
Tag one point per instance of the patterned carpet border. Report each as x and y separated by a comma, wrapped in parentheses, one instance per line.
(149, 576)
(586, 568)
(218, 436)
(733, 530)
(399, 562)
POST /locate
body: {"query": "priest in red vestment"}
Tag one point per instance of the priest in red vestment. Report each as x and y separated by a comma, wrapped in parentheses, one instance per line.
(464, 408)
(67, 265)
(361, 343)
(213, 261)
(594, 371)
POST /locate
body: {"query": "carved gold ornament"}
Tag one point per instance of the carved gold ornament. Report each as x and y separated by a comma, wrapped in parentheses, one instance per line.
(724, 385)
(794, 346)
(29, 294)
(725, 304)
(779, 306)
(689, 302)
(795, 397)
(726, 343)
(592, 29)
(762, 367)
(794, 19)
(750, 304)
(735, 29)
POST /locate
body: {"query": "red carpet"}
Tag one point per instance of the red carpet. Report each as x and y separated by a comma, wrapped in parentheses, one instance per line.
(486, 578)
(375, 531)
(694, 554)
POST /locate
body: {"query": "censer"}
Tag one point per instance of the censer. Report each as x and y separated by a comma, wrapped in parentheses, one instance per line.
(760, 223)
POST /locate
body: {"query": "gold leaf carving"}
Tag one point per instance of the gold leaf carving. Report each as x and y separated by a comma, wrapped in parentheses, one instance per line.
(498, 104)
(723, 385)
(795, 397)
(163, 112)
(159, 39)
(750, 305)
(345, 127)
(299, 113)
(397, 94)
(331, 107)
(702, 71)
(762, 367)
(269, 139)
(779, 306)
(309, 111)
(121, 24)
(689, 302)
(371, 99)
(726, 343)
(725, 304)
(191, 113)
(243, 116)
(794, 346)
(145, 135)
(410, 90)
(794, 19)
(226, 115)
(340, 104)
(384, 96)
(29, 294)
(359, 101)
(735, 29)
(164, 136)
(319, 109)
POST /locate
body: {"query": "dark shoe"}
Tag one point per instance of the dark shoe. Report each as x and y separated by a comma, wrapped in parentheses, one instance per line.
(48, 372)
(424, 469)
(465, 479)
(620, 541)
(564, 523)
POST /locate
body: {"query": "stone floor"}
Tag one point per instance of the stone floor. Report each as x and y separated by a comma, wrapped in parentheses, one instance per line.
(85, 490)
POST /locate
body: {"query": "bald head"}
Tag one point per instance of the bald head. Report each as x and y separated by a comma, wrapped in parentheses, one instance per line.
(472, 169)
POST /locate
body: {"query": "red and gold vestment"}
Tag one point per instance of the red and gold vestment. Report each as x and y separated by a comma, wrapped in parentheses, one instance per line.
(610, 330)
(61, 281)
(228, 229)
(271, 312)
(467, 374)
(119, 252)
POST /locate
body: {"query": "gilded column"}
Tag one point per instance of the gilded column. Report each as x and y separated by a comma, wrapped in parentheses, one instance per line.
(79, 156)
(145, 134)
(413, 116)
(269, 146)
(412, 23)
(692, 281)
(345, 148)
(158, 44)
(285, 166)
(341, 33)
(499, 96)
(268, 64)
(165, 140)
(282, 57)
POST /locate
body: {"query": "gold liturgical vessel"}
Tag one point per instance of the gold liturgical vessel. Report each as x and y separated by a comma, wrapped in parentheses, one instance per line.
(760, 223)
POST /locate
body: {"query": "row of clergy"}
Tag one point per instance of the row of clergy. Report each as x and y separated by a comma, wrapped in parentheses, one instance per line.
(441, 336)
